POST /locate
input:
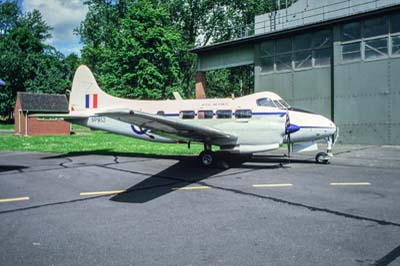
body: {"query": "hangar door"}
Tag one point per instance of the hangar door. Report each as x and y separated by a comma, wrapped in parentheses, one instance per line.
(298, 68)
(367, 81)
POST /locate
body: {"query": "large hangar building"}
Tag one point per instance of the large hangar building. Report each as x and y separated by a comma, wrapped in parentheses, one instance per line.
(339, 58)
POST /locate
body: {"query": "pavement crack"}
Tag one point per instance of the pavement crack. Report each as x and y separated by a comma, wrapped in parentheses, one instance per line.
(309, 207)
(68, 160)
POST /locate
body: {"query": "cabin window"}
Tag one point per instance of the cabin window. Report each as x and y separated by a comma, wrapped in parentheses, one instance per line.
(224, 114)
(187, 114)
(243, 113)
(267, 102)
(205, 114)
(161, 113)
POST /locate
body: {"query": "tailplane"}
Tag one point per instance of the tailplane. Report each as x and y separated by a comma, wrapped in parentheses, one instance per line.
(86, 95)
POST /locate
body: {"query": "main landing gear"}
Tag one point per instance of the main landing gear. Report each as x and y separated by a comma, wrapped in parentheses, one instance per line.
(207, 157)
(219, 159)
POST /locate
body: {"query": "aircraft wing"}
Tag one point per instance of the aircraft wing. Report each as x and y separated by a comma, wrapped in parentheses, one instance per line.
(166, 125)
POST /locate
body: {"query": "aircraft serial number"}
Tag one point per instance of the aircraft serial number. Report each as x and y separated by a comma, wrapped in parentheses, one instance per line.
(98, 119)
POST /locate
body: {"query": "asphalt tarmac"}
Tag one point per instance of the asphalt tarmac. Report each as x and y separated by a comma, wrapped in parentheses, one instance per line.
(130, 209)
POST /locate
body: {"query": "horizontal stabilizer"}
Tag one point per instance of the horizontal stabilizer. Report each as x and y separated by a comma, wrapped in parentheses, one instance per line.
(63, 116)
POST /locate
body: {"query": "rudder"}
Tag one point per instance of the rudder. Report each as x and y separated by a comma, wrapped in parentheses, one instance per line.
(85, 93)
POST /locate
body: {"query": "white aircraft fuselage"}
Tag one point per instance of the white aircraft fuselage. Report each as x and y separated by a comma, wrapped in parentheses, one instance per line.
(254, 123)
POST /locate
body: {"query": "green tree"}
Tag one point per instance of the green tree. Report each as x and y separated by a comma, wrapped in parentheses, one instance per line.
(26, 62)
(136, 54)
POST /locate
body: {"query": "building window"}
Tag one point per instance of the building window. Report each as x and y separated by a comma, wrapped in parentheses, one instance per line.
(244, 113)
(396, 45)
(322, 39)
(376, 48)
(395, 34)
(267, 48)
(351, 31)
(267, 52)
(187, 114)
(283, 62)
(302, 51)
(303, 59)
(267, 64)
(395, 23)
(205, 114)
(283, 59)
(284, 46)
(375, 42)
(351, 52)
(224, 114)
(322, 57)
(302, 42)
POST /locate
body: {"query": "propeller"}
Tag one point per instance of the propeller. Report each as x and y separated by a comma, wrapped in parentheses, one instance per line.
(289, 129)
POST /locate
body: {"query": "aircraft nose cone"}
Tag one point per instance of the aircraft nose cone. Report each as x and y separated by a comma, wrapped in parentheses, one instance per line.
(331, 126)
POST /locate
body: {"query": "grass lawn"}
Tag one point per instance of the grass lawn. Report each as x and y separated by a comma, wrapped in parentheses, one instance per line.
(85, 140)
(6, 126)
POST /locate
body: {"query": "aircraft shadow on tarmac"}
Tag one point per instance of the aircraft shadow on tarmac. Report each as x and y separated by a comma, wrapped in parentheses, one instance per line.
(185, 172)
(258, 159)
(7, 168)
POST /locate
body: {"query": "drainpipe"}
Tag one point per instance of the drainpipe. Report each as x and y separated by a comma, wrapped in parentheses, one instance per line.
(19, 122)
(26, 123)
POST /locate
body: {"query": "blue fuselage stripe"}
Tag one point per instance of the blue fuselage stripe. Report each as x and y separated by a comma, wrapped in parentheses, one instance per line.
(255, 113)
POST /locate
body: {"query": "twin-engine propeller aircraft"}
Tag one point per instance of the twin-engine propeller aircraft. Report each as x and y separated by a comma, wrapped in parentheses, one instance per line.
(255, 123)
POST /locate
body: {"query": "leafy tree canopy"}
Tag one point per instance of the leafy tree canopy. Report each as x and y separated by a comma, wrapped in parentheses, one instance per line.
(133, 48)
(26, 62)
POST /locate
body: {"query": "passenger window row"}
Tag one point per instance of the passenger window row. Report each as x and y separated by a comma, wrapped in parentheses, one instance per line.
(209, 114)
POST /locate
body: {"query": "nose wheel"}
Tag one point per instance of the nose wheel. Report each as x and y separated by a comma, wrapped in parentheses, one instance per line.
(323, 157)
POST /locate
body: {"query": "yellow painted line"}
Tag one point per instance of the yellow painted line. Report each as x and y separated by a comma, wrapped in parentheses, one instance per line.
(273, 185)
(97, 193)
(191, 188)
(351, 184)
(14, 199)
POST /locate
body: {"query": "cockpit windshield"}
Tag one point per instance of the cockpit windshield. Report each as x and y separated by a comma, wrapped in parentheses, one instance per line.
(284, 103)
(267, 102)
(281, 104)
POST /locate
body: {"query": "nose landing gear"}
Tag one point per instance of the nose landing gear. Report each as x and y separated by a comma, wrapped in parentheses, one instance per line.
(323, 157)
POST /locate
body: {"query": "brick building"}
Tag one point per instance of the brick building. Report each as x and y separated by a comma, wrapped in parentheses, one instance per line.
(31, 103)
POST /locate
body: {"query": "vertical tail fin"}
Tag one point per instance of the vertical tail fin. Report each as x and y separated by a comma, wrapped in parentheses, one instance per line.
(85, 95)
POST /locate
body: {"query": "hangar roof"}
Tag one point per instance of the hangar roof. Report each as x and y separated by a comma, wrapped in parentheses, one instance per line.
(260, 37)
(43, 102)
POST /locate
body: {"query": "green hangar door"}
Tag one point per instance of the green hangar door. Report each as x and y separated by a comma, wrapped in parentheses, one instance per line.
(367, 80)
(298, 68)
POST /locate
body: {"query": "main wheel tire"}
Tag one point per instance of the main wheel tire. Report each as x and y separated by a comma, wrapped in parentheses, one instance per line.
(322, 158)
(206, 158)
